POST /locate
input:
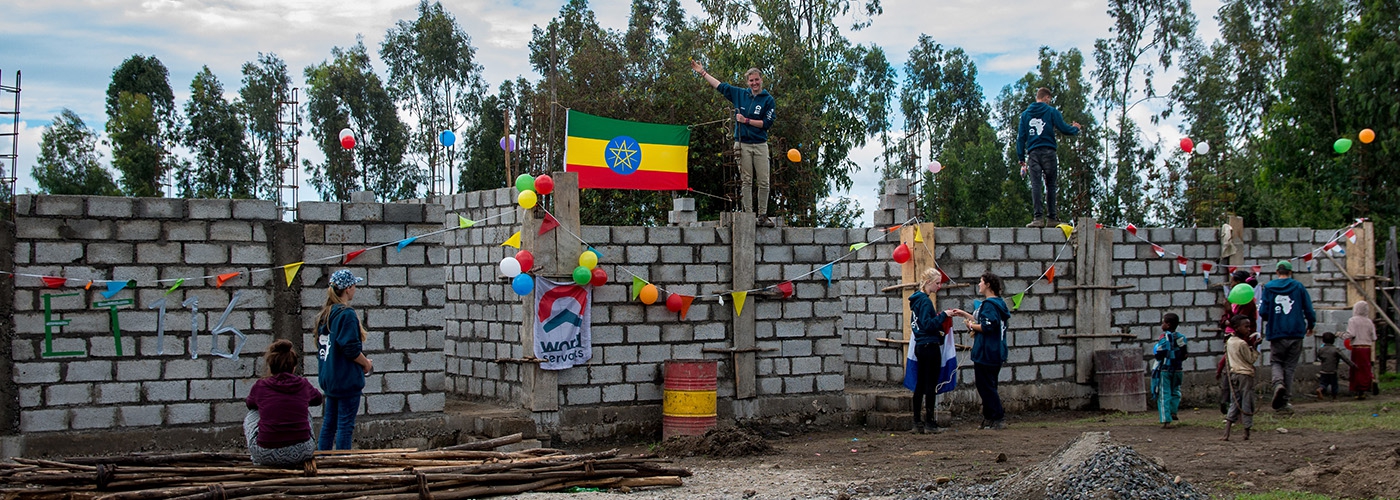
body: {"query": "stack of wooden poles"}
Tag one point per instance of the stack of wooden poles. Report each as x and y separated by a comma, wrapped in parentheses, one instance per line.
(463, 471)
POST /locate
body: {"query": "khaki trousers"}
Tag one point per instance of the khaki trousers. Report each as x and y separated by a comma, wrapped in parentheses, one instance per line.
(753, 160)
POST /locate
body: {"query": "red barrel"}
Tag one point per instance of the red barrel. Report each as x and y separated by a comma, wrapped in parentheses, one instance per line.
(1120, 376)
(688, 407)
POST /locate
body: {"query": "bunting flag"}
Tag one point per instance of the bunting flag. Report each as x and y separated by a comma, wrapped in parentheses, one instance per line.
(857, 246)
(1050, 274)
(1131, 229)
(88, 286)
(1308, 258)
(409, 241)
(223, 278)
(1231, 269)
(826, 271)
(1016, 301)
(548, 224)
(786, 288)
(513, 241)
(351, 256)
(113, 287)
(1329, 246)
(177, 284)
(1067, 229)
(1351, 236)
(54, 282)
(1182, 262)
(596, 252)
(893, 228)
(944, 275)
(617, 154)
(685, 305)
(1157, 249)
(1098, 226)
(637, 284)
(1256, 268)
(918, 236)
(1205, 268)
(463, 222)
(290, 270)
(739, 303)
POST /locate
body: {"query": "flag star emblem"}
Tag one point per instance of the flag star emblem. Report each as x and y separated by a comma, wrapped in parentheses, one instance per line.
(623, 155)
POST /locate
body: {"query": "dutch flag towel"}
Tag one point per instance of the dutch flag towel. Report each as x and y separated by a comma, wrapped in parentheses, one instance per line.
(948, 372)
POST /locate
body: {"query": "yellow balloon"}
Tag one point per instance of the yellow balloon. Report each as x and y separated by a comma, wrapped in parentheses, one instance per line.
(1367, 135)
(648, 294)
(794, 155)
(527, 199)
(588, 259)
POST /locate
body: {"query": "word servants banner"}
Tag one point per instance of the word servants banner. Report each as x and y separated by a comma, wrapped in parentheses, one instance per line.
(563, 337)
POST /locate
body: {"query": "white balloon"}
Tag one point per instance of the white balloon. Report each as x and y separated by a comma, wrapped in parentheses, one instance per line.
(934, 167)
(344, 132)
(1202, 147)
(510, 267)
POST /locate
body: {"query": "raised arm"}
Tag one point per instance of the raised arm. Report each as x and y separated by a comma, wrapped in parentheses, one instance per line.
(696, 67)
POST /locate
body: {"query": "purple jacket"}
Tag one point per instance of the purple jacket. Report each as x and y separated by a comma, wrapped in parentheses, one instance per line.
(282, 401)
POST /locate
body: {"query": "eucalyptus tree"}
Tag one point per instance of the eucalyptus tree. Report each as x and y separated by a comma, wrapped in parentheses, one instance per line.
(142, 124)
(266, 86)
(224, 167)
(68, 161)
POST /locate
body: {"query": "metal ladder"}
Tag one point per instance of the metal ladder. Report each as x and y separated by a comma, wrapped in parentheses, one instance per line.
(8, 172)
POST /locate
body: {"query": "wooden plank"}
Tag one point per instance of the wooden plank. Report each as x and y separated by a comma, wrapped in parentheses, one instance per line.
(1103, 275)
(1361, 263)
(566, 210)
(1083, 297)
(1237, 228)
(1096, 287)
(915, 286)
(745, 336)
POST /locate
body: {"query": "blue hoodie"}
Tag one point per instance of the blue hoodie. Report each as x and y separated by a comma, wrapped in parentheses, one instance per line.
(927, 324)
(1037, 130)
(755, 107)
(989, 347)
(339, 339)
(1286, 309)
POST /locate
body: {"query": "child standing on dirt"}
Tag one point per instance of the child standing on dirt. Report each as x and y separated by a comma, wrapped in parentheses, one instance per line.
(988, 325)
(1170, 351)
(278, 425)
(1362, 333)
(1241, 351)
(1328, 355)
(928, 327)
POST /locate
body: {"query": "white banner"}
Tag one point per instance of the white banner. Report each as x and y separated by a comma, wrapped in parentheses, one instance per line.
(563, 313)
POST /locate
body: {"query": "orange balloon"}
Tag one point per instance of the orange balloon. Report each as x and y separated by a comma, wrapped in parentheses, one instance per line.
(648, 294)
(1367, 135)
(794, 155)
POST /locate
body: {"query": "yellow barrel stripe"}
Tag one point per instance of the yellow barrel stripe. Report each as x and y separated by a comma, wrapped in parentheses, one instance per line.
(688, 403)
(655, 157)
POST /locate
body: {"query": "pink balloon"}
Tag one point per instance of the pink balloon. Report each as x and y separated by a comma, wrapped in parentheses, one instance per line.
(934, 167)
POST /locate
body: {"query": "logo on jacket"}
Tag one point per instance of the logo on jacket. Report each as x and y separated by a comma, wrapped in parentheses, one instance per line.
(1038, 125)
(1284, 304)
(325, 341)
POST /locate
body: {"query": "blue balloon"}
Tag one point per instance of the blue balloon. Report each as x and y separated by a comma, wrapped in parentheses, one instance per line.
(523, 284)
(447, 138)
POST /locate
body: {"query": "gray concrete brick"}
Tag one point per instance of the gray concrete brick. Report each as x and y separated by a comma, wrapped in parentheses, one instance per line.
(231, 230)
(427, 403)
(89, 371)
(345, 234)
(405, 212)
(59, 205)
(642, 254)
(211, 389)
(43, 420)
(188, 413)
(57, 252)
(403, 382)
(605, 374)
(160, 208)
(583, 395)
(68, 394)
(619, 393)
(628, 235)
(210, 209)
(94, 418)
(256, 210)
(117, 393)
(140, 416)
(318, 211)
(36, 373)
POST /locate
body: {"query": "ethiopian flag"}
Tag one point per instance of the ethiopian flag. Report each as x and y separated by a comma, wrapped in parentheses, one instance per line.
(616, 154)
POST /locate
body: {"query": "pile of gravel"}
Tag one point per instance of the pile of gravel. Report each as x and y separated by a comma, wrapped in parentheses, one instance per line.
(1090, 467)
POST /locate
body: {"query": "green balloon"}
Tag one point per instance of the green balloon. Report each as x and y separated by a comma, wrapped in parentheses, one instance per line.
(582, 275)
(1241, 294)
(525, 182)
(1342, 145)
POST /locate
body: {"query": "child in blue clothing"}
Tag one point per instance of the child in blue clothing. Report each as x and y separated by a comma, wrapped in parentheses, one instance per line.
(1170, 351)
(928, 327)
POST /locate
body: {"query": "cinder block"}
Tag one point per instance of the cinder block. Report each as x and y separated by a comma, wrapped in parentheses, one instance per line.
(403, 382)
(68, 394)
(167, 390)
(218, 209)
(160, 208)
(250, 254)
(345, 234)
(404, 212)
(619, 393)
(89, 371)
(187, 231)
(231, 230)
(46, 252)
(59, 205)
(427, 403)
(118, 393)
(43, 420)
(318, 211)
(102, 417)
(188, 413)
(362, 212)
(256, 210)
(36, 373)
(211, 389)
(380, 404)
(140, 416)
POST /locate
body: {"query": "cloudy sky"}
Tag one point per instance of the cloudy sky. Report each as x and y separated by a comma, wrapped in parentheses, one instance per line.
(67, 49)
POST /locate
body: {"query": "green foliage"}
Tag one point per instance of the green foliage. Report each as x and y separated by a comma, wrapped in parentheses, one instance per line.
(136, 153)
(68, 161)
(266, 85)
(345, 93)
(841, 211)
(224, 167)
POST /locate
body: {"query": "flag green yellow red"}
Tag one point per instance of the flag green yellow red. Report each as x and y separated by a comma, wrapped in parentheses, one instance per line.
(617, 154)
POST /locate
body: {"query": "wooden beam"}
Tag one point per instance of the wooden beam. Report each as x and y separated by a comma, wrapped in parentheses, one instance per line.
(911, 286)
(1095, 287)
(745, 335)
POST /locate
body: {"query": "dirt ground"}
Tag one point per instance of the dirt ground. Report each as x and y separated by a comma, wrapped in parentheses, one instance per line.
(1343, 449)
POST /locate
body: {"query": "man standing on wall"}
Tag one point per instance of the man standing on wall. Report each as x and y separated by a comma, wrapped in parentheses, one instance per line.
(1035, 144)
(1287, 311)
(753, 109)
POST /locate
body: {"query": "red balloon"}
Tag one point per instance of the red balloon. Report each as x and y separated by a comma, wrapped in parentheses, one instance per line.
(600, 277)
(901, 253)
(1187, 145)
(544, 184)
(1346, 343)
(347, 142)
(527, 260)
(673, 303)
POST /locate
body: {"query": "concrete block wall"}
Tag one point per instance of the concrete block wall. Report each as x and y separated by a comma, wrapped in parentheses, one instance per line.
(146, 382)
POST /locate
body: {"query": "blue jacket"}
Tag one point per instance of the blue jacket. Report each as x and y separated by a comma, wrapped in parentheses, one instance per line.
(754, 107)
(989, 347)
(339, 340)
(1170, 351)
(1037, 130)
(1286, 309)
(927, 323)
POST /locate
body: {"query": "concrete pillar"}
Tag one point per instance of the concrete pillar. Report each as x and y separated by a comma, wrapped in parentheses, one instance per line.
(683, 213)
(745, 335)
(894, 204)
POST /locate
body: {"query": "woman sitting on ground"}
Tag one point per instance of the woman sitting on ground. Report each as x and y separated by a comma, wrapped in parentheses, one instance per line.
(278, 425)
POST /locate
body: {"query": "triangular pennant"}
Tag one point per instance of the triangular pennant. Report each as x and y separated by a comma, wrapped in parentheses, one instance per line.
(826, 271)
(596, 252)
(858, 246)
(892, 229)
(1016, 300)
(1308, 257)
(1232, 269)
(548, 224)
(1050, 274)
(1098, 226)
(1067, 229)
(637, 284)
(786, 288)
(944, 275)
(177, 284)
(1182, 262)
(88, 286)
(512, 241)
(54, 282)
(463, 222)
(406, 242)
(113, 287)
(1157, 249)
(1329, 246)
(918, 236)
(1351, 236)
(351, 256)
(739, 303)
(290, 270)
(223, 278)
(1132, 229)
(1207, 266)
(685, 305)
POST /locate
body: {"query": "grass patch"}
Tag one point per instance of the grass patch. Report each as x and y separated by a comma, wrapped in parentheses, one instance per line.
(1282, 495)
(1390, 381)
